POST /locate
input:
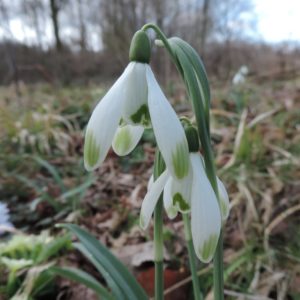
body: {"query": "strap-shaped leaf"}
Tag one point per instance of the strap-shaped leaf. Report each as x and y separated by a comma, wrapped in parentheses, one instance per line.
(116, 290)
(127, 283)
(83, 278)
(197, 64)
(199, 110)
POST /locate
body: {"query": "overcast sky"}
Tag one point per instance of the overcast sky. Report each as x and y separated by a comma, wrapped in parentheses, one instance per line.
(277, 21)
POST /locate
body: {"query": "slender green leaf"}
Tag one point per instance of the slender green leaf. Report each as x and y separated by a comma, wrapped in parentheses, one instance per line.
(128, 284)
(83, 278)
(117, 292)
(79, 189)
(51, 169)
(199, 69)
(54, 247)
(45, 197)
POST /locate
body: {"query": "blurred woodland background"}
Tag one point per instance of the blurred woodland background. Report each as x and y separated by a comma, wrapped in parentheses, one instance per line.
(59, 57)
(84, 40)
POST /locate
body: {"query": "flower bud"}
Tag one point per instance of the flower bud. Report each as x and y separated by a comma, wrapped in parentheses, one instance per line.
(140, 47)
(192, 138)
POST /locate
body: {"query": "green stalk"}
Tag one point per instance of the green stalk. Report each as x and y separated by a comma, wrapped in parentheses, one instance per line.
(159, 167)
(158, 250)
(192, 257)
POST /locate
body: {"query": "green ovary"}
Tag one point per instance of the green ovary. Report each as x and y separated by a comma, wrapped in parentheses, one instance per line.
(180, 160)
(182, 204)
(91, 149)
(141, 116)
(123, 141)
(209, 247)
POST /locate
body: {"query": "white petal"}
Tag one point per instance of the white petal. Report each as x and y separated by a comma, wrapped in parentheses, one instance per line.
(171, 210)
(126, 138)
(135, 106)
(224, 200)
(181, 192)
(168, 130)
(103, 124)
(206, 216)
(151, 199)
(150, 182)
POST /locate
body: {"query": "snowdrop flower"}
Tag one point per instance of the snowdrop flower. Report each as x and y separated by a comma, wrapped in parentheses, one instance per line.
(193, 194)
(4, 218)
(134, 102)
(240, 76)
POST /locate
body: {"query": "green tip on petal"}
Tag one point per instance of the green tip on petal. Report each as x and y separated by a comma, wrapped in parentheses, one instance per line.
(224, 209)
(141, 116)
(180, 160)
(91, 150)
(180, 203)
(142, 222)
(140, 47)
(208, 249)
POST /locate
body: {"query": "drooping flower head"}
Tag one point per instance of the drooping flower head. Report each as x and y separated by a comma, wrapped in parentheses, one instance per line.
(134, 102)
(192, 194)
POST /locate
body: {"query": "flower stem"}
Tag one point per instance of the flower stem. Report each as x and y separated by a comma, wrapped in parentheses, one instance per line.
(192, 258)
(159, 167)
(158, 251)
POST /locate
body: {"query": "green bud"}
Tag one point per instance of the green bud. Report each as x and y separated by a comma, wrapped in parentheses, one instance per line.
(192, 138)
(140, 47)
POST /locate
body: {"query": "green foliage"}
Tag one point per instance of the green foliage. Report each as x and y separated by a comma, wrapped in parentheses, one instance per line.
(121, 282)
(25, 258)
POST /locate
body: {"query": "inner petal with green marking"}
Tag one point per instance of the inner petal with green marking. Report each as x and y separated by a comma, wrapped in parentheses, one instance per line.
(209, 247)
(91, 149)
(123, 140)
(180, 160)
(181, 203)
(141, 116)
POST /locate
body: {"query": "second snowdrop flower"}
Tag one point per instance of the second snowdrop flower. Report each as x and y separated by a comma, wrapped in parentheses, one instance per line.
(134, 102)
(192, 194)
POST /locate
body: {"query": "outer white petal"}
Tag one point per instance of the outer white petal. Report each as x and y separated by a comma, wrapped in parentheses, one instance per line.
(103, 124)
(150, 182)
(224, 200)
(135, 107)
(126, 138)
(206, 216)
(151, 199)
(181, 192)
(167, 128)
(171, 210)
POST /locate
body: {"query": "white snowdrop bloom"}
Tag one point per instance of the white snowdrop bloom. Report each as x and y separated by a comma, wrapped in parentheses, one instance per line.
(193, 194)
(4, 217)
(134, 102)
(240, 76)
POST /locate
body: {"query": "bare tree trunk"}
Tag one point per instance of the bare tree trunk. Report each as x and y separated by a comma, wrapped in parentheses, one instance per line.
(9, 49)
(204, 25)
(82, 27)
(54, 16)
